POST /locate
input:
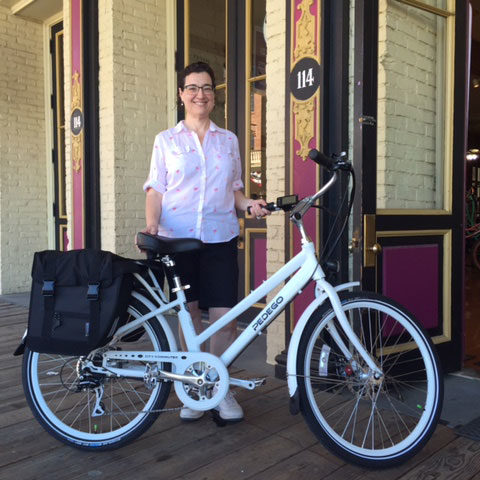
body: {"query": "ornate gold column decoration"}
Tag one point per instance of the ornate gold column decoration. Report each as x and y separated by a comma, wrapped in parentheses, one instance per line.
(304, 125)
(305, 46)
(77, 140)
(305, 32)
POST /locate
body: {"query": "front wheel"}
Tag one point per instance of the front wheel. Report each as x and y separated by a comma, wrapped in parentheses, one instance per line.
(89, 410)
(374, 422)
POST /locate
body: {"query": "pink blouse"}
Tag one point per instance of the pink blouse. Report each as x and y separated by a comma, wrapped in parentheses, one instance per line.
(197, 182)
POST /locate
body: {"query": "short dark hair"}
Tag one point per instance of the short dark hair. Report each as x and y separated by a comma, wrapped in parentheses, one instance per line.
(196, 67)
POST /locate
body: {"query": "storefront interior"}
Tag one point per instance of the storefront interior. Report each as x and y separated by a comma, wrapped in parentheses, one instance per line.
(472, 204)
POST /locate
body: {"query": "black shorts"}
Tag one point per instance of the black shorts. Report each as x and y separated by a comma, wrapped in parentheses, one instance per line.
(212, 274)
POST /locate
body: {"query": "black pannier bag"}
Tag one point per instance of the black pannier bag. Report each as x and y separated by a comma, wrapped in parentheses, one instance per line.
(78, 299)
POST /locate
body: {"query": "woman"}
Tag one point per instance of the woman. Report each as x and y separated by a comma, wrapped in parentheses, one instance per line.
(193, 190)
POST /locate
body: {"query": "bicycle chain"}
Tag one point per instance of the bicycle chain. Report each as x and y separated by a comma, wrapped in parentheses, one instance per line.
(147, 412)
(159, 410)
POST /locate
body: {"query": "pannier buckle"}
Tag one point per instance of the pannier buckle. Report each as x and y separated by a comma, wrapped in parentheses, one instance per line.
(48, 288)
(92, 292)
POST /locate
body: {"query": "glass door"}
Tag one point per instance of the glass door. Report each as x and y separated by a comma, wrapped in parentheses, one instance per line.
(60, 205)
(230, 36)
(412, 158)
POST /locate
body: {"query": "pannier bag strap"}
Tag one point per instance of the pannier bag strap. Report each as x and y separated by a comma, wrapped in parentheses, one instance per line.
(48, 288)
(48, 291)
(93, 295)
(92, 292)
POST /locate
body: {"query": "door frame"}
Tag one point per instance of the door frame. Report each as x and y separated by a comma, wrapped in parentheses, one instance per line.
(92, 126)
(59, 199)
(49, 125)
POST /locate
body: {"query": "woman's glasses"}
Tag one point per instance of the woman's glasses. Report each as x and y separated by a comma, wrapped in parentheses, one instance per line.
(194, 89)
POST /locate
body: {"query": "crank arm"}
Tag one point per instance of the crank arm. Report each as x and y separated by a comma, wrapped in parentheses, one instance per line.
(186, 378)
(248, 384)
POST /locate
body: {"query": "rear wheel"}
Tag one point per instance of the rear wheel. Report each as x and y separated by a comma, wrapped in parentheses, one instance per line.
(89, 410)
(375, 422)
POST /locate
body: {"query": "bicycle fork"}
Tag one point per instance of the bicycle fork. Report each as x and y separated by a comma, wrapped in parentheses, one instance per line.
(324, 286)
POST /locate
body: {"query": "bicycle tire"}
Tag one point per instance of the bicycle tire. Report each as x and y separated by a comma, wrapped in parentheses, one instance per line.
(376, 424)
(476, 254)
(65, 411)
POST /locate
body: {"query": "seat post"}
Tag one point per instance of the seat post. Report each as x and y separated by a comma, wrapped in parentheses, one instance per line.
(170, 265)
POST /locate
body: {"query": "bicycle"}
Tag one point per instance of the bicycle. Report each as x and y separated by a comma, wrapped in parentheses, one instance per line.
(472, 230)
(360, 369)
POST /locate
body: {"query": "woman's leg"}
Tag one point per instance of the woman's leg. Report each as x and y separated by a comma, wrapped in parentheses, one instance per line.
(225, 337)
(187, 414)
(228, 409)
(196, 315)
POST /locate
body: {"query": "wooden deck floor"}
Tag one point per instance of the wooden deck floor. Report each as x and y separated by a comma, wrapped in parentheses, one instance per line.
(269, 444)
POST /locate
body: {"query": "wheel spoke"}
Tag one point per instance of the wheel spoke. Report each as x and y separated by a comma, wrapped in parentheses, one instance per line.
(375, 415)
(68, 402)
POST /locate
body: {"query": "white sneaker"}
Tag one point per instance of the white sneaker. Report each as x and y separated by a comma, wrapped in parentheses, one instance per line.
(189, 415)
(229, 409)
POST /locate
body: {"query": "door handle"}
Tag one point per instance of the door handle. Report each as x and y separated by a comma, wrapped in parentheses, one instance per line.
(371, 248)
(376, 248)
(353, 245)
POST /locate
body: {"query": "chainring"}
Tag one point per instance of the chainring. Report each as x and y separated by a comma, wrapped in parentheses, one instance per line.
(211, 382)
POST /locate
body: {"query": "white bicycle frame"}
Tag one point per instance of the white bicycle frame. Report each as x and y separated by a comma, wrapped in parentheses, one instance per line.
(303, 266)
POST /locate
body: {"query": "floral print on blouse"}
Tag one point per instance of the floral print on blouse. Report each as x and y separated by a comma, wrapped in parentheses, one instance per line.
(197, 182)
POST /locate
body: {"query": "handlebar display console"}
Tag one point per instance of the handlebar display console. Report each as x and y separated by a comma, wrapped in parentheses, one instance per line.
(287, 202)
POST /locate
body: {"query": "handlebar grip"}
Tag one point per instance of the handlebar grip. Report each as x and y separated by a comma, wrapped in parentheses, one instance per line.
(270, 206)
(321, 159)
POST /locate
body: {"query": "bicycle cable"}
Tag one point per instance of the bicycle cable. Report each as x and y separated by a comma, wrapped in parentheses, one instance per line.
(324, 257)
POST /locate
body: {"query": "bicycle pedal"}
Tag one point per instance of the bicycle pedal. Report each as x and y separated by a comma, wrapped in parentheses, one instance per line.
(259, 381)
(248, 384)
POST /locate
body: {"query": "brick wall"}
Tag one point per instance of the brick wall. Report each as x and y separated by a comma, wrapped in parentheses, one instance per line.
(133, 109)
(410, 107)
(276, 162)
(23, 177)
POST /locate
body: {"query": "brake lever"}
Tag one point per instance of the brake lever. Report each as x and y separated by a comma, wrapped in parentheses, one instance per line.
(300, 208)
(345, 166)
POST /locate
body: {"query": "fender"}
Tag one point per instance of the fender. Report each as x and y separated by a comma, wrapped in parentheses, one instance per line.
(295, 341)
(172, 343)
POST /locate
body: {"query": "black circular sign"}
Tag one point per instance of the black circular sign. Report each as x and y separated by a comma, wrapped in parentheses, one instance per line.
(76, 122)
(305, 78)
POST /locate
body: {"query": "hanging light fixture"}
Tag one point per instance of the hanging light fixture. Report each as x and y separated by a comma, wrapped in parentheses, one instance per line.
(473, 154)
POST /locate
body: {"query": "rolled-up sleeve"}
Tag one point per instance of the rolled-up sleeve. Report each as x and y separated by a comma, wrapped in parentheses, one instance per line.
(157, 177)
(237, 183)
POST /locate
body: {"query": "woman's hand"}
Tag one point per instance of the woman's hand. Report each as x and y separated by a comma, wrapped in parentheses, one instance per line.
(151, 229)
(153, 210)
(256, 208)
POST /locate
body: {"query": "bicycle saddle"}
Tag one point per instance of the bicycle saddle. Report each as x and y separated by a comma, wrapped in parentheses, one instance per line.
(165, 245)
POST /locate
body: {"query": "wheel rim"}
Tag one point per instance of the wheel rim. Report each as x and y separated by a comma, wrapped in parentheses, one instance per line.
(52, 381)
(373, 419)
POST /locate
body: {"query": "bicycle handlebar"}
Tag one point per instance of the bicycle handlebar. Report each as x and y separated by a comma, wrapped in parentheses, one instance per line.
(321, 159)
(299, 208)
